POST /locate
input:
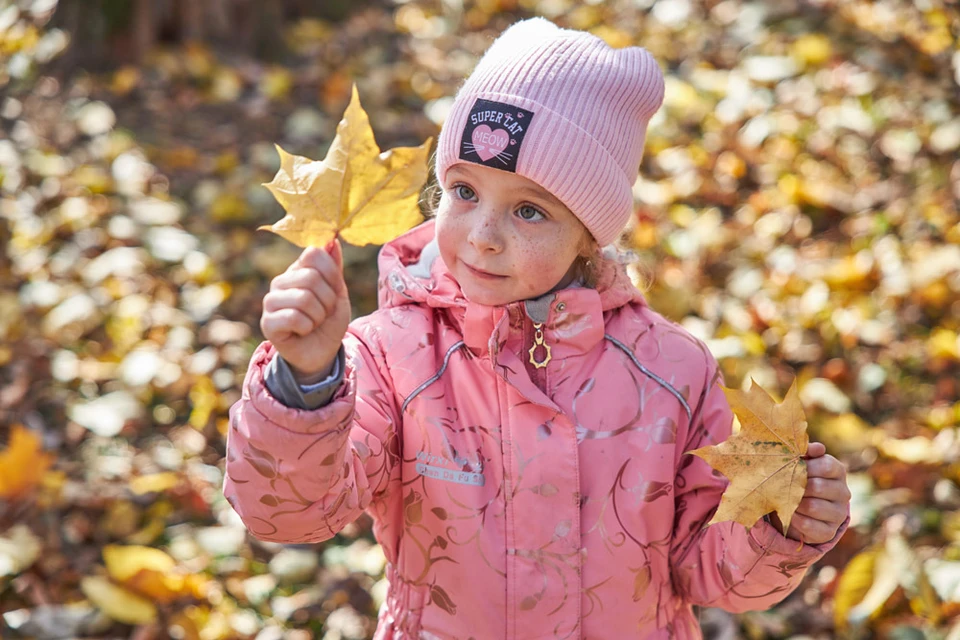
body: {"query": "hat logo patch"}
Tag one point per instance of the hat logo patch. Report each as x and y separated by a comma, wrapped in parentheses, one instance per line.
(494, 133)
(489, 143)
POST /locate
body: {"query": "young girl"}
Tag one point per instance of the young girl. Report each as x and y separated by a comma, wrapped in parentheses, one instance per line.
(514, 417)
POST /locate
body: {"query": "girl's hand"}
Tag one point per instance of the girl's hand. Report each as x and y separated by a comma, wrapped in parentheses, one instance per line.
(307, 310)
(826, 501)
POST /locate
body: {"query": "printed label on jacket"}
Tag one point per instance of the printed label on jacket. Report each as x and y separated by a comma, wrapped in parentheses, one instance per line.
(457, 476)
(494, 134)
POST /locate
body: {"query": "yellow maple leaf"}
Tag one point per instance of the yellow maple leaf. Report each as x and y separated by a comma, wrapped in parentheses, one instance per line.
(356, 192)
(116, 602)
(22, 463)
(154, 482)
(150, 572)
(124, 562)
(764, 461)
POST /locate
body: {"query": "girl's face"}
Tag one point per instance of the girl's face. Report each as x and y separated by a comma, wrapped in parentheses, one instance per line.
(503, 237)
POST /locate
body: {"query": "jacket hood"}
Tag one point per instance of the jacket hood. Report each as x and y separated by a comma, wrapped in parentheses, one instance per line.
(412, 272)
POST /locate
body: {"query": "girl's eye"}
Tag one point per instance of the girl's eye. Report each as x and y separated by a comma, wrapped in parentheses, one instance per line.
(464, 192)
(528, 213)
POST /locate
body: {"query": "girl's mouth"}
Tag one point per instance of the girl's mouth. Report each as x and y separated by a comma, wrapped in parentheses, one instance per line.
(479, 273)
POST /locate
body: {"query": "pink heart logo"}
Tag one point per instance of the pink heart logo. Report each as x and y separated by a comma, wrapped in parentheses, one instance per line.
(489, 143)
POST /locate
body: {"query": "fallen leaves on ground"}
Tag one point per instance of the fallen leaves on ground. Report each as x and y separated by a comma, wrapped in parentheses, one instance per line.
(797, 210)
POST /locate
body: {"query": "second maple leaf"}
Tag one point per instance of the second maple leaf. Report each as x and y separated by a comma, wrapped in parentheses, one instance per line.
(764, 460)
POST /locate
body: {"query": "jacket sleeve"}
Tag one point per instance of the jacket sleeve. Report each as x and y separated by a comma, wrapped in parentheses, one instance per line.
(302, 475)
(726, 565)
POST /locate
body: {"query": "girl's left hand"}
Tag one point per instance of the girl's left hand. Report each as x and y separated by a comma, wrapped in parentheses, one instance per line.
(825, 503)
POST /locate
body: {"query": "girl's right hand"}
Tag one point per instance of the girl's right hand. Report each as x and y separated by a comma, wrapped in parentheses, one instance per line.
(307, 310)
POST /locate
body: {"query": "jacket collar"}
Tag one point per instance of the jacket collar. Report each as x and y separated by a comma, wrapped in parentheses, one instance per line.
(412, 272)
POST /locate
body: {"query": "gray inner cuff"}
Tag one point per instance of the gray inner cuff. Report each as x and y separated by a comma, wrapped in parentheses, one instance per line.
(283, 385)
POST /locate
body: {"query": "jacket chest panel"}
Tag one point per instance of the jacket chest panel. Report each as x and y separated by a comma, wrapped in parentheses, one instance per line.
(499, 474)
(557, 492)
(452, 485)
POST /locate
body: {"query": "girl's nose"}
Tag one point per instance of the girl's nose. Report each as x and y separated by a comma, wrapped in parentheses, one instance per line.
(485, 234)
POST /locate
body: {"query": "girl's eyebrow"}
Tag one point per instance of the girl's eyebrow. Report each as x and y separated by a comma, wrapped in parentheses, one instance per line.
(542, 194)
(458, 168)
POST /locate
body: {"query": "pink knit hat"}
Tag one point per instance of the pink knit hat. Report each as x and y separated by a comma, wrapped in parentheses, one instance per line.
(564, 109)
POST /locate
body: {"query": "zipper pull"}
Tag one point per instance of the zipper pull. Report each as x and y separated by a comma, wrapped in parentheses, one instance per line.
(538, 342)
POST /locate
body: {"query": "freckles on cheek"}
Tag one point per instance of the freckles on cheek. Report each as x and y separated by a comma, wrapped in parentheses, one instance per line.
(552, 251)
(542, 258)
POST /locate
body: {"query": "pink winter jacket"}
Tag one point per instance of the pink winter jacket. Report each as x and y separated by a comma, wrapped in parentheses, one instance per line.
(514, 502)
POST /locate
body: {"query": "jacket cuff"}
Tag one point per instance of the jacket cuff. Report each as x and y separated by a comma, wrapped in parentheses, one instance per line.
(768, 536)
(282, 384)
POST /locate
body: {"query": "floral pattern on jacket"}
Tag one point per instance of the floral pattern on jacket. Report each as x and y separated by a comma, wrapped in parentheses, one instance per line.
(510, 501)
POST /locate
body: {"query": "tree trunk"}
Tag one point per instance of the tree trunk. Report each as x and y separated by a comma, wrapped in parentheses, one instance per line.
(106, 33)
(193, 25)
(144, 28)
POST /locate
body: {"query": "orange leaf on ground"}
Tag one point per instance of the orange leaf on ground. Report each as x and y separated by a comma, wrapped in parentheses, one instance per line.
(22, 463)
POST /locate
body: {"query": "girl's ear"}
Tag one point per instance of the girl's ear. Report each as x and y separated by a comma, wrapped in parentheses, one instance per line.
(588, 245)
(588, 260)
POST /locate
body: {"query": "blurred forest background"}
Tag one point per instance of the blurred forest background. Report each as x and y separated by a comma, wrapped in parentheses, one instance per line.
(798, 209)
